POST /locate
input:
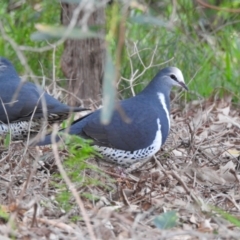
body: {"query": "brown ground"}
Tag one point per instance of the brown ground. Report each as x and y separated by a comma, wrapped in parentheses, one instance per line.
(197, 169)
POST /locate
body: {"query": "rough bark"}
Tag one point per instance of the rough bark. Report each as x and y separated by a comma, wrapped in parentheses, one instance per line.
(83, 61)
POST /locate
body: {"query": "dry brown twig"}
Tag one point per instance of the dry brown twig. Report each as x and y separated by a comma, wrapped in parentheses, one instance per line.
(134, 73)
(207, 5)
(70, 184)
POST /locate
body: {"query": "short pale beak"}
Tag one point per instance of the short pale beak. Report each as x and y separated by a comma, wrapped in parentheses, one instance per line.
(183, 85)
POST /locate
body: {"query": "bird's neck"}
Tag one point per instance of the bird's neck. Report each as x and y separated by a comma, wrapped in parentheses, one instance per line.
(154, 88)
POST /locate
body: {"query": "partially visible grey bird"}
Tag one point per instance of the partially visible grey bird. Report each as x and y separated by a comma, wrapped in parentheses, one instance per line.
(25, 114)
(139, 139)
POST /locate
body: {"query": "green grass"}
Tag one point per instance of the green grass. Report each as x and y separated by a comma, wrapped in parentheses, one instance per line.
(227, 216)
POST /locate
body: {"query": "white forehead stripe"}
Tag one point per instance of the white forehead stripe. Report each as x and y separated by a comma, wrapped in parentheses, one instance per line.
(179, 75)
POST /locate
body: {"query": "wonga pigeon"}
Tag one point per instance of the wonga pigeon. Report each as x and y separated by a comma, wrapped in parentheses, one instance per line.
(26, 113)
(139, 139)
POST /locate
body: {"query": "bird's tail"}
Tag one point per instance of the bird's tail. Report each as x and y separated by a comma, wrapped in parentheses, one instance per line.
(74, 129)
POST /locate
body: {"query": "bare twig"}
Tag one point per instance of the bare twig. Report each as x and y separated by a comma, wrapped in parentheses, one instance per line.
(70, 184)
(218, 8)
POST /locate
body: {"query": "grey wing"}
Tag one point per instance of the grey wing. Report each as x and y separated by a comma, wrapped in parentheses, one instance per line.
(121, 135)
(52, 105)
(11, 109)
(27, 102)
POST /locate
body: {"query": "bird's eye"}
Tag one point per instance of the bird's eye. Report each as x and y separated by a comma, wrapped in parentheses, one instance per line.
(172, 76)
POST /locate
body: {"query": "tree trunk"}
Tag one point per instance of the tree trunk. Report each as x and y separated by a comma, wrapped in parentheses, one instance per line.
(83, 61)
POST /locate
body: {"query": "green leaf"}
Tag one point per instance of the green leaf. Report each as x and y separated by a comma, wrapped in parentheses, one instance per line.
(109, 91)
(166, 220)
(47, 32)
(147, 19)
(228, 67)
(229, 217)
(4, 215)
(7, 140)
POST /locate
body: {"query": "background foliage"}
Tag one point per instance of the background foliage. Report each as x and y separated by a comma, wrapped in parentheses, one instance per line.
(19, 21)
(203, 42)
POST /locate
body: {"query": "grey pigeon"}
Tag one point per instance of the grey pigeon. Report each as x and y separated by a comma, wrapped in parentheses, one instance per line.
(26, 112)
(124, 142)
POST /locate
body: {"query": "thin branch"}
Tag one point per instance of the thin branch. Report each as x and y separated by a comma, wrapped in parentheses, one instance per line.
(204, 4)
(70, 184)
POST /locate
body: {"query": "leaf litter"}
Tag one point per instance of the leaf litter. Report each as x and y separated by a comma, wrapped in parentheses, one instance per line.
(197, 169)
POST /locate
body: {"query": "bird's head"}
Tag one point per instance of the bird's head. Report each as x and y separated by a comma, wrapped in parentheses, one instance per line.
(4, 64)
(172, 76)
(7, 71)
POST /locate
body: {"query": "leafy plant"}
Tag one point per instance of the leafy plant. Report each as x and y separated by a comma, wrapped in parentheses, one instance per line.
(204, 43)
(75, 165)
